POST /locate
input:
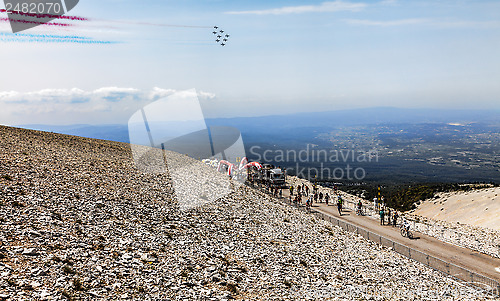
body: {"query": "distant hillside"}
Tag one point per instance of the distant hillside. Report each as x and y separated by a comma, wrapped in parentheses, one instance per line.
(366, 116)
(291, 122)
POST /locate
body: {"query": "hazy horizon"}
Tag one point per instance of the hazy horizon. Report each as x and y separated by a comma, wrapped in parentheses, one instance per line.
(420, 110)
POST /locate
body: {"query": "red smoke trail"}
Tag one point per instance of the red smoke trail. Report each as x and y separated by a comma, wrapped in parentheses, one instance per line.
(35, 22)
(168, 25)
(76, 18)
(151, 24)
(73, 18)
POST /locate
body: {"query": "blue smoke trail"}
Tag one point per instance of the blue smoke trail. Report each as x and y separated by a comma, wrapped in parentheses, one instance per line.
(44, 38)
(41, 36)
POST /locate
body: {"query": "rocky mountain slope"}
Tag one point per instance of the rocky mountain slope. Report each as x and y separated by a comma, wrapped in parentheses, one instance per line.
(80, 222)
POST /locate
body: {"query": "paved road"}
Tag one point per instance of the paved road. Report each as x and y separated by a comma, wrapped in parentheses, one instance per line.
(474, 261)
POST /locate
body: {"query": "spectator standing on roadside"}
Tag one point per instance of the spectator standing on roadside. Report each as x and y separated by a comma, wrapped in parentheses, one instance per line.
(291, 189)
(307, 190)
(382, 216)
(360, 207)
(395, 219)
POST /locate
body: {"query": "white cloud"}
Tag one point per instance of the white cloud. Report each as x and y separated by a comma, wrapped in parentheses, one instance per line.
(112, 90)
(67, 106)
(427, 22)
(157, 93)
(8, 94)
(51, 95)
(205, 95)
(387, 23)
(388, 2)
(468, 24)
(332, 6)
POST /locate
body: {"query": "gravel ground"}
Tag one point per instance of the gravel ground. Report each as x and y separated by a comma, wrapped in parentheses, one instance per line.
(79, 221)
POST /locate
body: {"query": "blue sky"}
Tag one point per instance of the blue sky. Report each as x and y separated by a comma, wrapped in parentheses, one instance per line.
(281, 57)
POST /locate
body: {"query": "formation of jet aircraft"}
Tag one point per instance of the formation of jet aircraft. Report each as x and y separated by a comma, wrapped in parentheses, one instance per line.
(218, 34)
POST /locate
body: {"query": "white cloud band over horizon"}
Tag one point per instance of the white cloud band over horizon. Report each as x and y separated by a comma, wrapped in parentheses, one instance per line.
(70, 106)
(115, 105)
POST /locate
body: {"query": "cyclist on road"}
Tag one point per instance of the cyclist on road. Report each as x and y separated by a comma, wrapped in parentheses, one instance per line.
(308, 204)
(405, 229)
(339, 206)
(406, 225)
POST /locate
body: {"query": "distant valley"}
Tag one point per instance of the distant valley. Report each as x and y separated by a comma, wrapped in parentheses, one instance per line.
(413, 146)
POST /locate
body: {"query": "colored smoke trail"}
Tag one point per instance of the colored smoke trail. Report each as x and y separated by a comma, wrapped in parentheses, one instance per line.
(168, 25)
(48, 36)
(42, 38)
(37, 19)
(77, 18)
(35, 22)
(72, 18)
(45, 38)
(55, 41)
(152, 24)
